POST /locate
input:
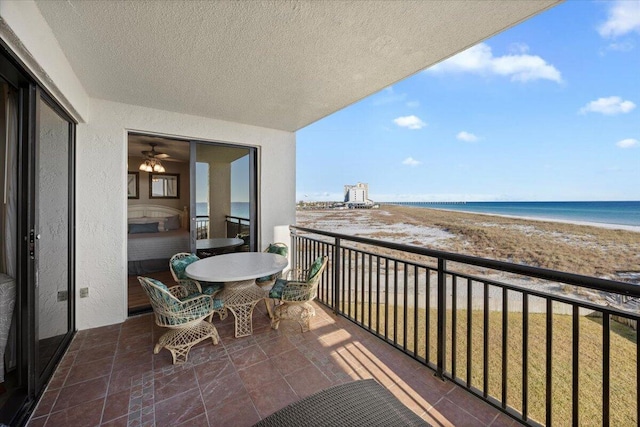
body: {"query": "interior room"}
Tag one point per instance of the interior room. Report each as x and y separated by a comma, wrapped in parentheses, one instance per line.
(164, 188)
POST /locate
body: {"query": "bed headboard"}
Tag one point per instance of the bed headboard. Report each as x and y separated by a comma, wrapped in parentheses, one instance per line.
(157, 211)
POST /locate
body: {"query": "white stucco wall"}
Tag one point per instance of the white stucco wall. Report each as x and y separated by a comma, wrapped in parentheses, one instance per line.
(101, 201)
(101, 163)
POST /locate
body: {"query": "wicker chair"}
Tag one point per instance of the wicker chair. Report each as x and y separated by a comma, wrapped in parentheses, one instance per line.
(294, 296)
(273, 248)
(178, 264)
(182, 309)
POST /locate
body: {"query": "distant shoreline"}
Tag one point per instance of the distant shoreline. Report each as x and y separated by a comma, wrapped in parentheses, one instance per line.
(609, 213)
(634, 228)
(581, 247)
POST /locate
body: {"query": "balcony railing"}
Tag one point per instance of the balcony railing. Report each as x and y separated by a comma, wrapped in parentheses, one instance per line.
(237, 225)
(202, 227)
(234, 225)
(542, 346)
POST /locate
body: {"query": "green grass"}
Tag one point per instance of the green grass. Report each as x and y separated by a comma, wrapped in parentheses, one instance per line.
(623, 361)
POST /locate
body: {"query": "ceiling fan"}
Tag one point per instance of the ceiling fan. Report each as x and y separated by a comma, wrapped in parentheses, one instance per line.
(153, 161)
(153, 153)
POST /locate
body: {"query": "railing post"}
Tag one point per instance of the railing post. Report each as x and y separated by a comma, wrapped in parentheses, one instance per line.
(294, 250)
(336, 276)
(442, 320)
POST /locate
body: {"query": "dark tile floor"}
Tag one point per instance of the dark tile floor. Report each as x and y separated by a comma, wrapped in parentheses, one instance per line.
(110, 376)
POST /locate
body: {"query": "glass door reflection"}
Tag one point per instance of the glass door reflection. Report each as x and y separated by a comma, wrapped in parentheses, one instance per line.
(52, 235)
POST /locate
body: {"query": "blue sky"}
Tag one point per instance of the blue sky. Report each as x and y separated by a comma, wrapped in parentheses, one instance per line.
(547, 110)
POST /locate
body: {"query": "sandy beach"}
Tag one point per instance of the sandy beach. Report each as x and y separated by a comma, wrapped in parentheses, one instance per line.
(593, 249)
(598, 250)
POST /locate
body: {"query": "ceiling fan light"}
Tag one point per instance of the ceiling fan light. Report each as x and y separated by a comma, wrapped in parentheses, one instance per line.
(149, 168)
(157, 167)
(143, 166)
(161, 169)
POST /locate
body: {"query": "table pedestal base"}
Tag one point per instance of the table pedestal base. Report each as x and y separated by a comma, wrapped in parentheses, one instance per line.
(180, 341)
(241, 298)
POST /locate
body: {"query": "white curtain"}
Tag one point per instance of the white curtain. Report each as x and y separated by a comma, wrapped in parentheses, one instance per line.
(172, 188)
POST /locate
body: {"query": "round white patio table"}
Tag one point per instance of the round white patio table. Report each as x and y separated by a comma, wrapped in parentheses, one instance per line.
(218, 243)
(239, 272)
(215, 245)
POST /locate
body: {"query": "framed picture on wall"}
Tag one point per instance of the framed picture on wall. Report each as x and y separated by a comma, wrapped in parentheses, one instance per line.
(133, 185)
(164, 186)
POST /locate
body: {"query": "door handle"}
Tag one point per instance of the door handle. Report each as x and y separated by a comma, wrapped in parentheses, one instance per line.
(32, 243)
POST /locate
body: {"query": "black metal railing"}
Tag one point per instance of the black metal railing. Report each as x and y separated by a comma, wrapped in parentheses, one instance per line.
(234, 225)
(237, 225)
(541, 345)
(202, 227)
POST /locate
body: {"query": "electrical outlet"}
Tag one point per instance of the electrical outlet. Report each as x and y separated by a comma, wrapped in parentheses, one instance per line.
(63, 295)
(84, 292)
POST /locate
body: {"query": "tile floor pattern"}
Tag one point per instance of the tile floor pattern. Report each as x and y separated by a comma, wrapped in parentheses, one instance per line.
(110, 376)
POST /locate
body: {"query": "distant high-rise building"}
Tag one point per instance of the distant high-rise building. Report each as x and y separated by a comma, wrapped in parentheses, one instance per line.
(357, 194)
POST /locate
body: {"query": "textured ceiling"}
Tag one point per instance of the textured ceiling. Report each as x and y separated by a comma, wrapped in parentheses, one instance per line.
(282, 64)
(178, 150)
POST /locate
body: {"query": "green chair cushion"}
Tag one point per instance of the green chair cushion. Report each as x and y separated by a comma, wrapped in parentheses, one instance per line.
(180, 265)
(210, 288)
(278, 249)
(315, 267)
(218, 304)
(167, 297)
(266, 278)
(159, 284)
(274, 249)
(278, 288)
(190, 297)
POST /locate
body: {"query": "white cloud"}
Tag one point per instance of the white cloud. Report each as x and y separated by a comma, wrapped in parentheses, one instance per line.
(609, 106)
(466, 136)
(479, 59)
(413, 104)
(411, 122)
(628, 143)
(410, 161)
(624, 18)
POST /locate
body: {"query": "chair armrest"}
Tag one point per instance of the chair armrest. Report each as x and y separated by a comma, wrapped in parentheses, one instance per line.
(298, 291)
(194, 307)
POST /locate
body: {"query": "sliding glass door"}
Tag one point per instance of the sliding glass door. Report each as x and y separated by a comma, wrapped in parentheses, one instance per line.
(37, 254)
(52, 234)
(223, 193)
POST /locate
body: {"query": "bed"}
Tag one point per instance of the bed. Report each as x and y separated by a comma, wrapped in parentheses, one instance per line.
(154, 234)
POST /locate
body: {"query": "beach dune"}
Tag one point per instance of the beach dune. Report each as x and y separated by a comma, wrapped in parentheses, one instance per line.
(587, 249)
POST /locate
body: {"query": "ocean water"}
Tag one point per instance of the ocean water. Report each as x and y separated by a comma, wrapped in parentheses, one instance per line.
(239, 209)
(620, 213)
